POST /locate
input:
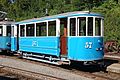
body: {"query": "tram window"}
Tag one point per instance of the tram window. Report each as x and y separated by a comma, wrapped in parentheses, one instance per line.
(82, 26)
(41, 29)
(12, 31)
(52, 28)
(8, 31)
(90, 26)
(97, 26)
(30, 30)
(0, 30)
(22, 30)
(72, 26)
(63, 27)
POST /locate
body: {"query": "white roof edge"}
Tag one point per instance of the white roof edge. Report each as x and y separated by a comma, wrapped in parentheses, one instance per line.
(62, 14)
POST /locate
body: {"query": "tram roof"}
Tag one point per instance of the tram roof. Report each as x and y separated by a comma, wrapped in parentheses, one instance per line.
(63, 15)
(6, 22)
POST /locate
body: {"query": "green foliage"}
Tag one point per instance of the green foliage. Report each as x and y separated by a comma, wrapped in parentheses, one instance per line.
(111, 11)
(25, 9)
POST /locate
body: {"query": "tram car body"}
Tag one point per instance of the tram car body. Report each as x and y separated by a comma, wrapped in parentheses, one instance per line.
(5, 35)
(76, 36)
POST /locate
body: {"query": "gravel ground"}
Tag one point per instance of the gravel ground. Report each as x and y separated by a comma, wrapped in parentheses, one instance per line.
(5, 75)
(41, 69)
(15, 74)
(79, 70)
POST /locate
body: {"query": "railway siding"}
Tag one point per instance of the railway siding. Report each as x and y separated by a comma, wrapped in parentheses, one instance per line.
(40, 69)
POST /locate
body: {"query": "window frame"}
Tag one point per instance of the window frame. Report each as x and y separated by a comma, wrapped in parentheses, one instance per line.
(55, 27)
(98, 27)
(10, 26)
(79, 23)
(101, 25)
(20, 30)
(1, 30)
(94, 27)
(33, 29)
(14, 30)
(35, 33)
(68, 25)
(93, 24)
(5, 30)
(77, 28)
(36, 28)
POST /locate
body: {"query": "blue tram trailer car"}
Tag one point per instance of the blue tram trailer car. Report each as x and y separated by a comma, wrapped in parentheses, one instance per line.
(5, 35)
(62, 38)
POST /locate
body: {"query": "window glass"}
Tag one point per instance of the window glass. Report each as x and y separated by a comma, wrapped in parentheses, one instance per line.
(102, 27)
(90, 26)
(82, 26)
(12, 32)
(72, 26)
(63, 27)
(22, 30)
(41, 29)
(97, 26)
(30, 30)
(52, 28)
(8, 32)
(1, 31)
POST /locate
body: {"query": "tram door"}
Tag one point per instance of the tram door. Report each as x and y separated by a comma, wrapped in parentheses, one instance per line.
(14, 38)
(63, 37)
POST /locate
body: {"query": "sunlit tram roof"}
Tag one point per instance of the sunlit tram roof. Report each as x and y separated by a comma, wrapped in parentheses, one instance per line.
(63, 15)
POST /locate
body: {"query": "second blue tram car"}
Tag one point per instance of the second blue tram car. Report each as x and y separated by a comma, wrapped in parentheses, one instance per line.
(5, 35)
(58, 39)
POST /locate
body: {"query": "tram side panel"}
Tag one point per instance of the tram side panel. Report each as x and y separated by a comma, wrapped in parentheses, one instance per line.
(13, 43)
(4, 43)
(85, 48)
(43, 45)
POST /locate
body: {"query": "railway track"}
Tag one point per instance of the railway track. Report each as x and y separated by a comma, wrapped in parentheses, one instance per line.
(91, 72)
(27, 75)
(5, 75)
(114, 56)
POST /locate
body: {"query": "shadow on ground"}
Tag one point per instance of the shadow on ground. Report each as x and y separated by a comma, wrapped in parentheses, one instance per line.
(7, 78)
(90, 68)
